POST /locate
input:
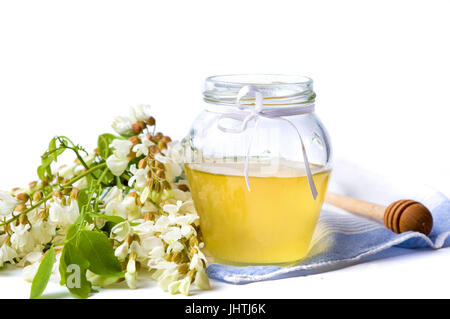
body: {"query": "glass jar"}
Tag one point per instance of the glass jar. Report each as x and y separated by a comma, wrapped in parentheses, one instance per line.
(257, 161)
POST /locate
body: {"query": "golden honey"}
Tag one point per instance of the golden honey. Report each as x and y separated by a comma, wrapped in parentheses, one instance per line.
(273, 223)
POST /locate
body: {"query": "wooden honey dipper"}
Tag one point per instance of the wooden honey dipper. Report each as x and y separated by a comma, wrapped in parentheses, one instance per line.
(400, 216)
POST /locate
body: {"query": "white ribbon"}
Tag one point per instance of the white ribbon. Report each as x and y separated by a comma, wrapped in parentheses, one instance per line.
(246, 113)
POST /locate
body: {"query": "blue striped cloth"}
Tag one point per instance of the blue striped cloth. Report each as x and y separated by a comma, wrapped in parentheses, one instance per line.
(342, 239)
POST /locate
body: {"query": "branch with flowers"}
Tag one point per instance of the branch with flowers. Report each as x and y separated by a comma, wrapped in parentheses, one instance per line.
(96, 222)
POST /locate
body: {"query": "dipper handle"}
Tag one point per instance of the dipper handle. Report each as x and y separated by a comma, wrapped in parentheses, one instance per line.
(356, 206)
(400, 216)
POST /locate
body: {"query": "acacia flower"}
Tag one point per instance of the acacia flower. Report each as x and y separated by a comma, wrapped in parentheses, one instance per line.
(42, 232)
(21, 239)
(180, 286)
(154, 247)
(173, 169)
(202, 280)
(139, 178)
(126, 207)
(122, 125)
(160, 227)
(168, 277)
(140, 112)
(121, 231)
(7, 254)
(32, 262)
(122, 251)
(198, 260)
(7, 203)
(63, 215)
(142, 148)
(131, 274)
(118, 161)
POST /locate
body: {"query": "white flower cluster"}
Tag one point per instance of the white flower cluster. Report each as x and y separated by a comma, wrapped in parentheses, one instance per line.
(160, 228)
(27, 236)
(160, 232)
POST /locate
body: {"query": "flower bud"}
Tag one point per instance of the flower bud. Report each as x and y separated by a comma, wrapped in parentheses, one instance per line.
(58, 194)
(137, 200)
(142, 163)
(134, 140)
(166, 185)
(44, 214)
(176, 258)
(149, 216)
(20, 208)
(160, 173)
(133, 194)
(74, 193)
(23, 197)
(131, 155)
(129, 239)
(166, 139)
(32, 184)
(169, 256)
(151, 121)
(154, 150)
(23, 219)
(162, 145)
(136, 128)
(38, 196)
(159, 165)
(138, 266)
(7, 239)
(132, 237)
(142, 125)
(183, 187)
(67, 190)
(96, 151)
(183, 268)
(192, 252)
(159, 136)
(193, 241)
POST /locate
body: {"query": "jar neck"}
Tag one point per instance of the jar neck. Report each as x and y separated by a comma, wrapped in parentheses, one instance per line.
(277, 90)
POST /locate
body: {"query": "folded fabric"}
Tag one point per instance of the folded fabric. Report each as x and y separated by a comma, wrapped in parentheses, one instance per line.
(342, 239)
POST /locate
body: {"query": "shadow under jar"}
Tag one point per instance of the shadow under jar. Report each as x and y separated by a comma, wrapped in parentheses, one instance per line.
(257, 161)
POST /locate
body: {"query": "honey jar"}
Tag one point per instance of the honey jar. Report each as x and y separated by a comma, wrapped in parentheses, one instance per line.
(257, 160)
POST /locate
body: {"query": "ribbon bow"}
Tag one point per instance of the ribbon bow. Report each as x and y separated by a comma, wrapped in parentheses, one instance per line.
(246, 113)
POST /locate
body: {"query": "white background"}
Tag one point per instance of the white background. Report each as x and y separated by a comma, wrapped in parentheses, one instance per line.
(381, 71)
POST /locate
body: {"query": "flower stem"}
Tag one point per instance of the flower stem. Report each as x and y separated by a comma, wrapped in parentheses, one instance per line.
(46, 198)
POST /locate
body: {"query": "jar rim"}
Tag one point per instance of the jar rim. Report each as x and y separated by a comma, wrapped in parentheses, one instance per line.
(258, 79)
(277, 89)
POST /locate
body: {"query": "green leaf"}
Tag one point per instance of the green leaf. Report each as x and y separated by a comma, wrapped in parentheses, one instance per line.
(108, 178)
(47, 160)
(71, 234)
(41, 172)
(83, 198)
(52, 148)
(42, 276)
(72, 268)
(113, 219)
(97, 249)
(103, 143)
